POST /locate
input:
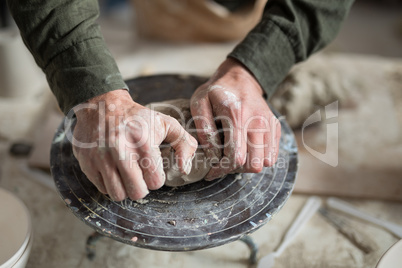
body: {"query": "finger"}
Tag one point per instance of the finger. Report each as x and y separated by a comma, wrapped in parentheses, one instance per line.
(152, 168)
(255, 152)
(98, 182)
(277, 141)
(235, 147)
(111, 178)
(93, 175)
(126, 157)
(272, 139)
(182, 142)
(207, 132)
(235, 135)
(131, 174)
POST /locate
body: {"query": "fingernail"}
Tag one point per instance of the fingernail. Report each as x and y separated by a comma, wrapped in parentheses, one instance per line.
(187, 166)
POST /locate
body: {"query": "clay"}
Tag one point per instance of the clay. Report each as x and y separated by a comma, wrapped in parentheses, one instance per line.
(180, 110)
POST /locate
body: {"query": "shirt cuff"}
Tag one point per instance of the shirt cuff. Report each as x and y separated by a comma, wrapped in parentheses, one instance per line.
(268, 56)
(82, 72)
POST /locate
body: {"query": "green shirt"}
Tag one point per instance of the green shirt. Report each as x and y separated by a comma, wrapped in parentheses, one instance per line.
(68, 46)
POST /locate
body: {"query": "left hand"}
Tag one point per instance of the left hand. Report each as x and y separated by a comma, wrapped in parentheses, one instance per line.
(234, 98)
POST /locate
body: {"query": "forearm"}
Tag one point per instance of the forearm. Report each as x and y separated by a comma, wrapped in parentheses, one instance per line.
(68, 46)
(289, 32)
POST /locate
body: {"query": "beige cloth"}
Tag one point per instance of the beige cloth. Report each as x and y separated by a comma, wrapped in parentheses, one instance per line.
(195, 20)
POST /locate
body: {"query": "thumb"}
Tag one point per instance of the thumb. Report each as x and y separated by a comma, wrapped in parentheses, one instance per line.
(182, 142)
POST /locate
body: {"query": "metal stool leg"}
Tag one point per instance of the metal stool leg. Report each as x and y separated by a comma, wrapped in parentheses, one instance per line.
(90, 245)
(253, 248)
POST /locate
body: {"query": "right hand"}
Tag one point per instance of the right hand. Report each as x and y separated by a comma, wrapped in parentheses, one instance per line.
(251, 131)
(125, 160)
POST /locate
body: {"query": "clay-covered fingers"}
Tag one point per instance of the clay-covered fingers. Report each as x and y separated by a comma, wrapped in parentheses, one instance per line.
(235, 144)
(182, 142)
(207, 132)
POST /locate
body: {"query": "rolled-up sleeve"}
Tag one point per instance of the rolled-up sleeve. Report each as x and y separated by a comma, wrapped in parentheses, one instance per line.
(68, 46)
(289, 32)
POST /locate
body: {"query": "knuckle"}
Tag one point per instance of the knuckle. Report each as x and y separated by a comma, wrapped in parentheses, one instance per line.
(153, 180)
(136, 135)
(194, 103)
(260, 121)
(145, 147)
(192, 142)
(174, 126)
(204, 135)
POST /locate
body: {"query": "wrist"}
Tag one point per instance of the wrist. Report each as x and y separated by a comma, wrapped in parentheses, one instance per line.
(234, 69)
(111, 96)
(115, 98)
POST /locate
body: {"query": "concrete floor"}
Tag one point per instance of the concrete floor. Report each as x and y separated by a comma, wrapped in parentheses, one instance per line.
(59, 237)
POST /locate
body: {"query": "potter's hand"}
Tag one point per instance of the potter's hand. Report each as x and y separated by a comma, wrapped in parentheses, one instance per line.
(124, 159)
(251, 132)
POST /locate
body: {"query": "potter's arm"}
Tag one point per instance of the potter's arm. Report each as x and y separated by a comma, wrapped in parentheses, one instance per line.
(68, 46)
(289, 32)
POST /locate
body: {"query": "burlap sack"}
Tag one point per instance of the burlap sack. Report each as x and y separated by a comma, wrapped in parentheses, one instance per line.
(195, 20)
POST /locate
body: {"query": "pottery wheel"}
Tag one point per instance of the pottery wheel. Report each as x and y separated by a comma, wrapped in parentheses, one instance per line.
(196, 216)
